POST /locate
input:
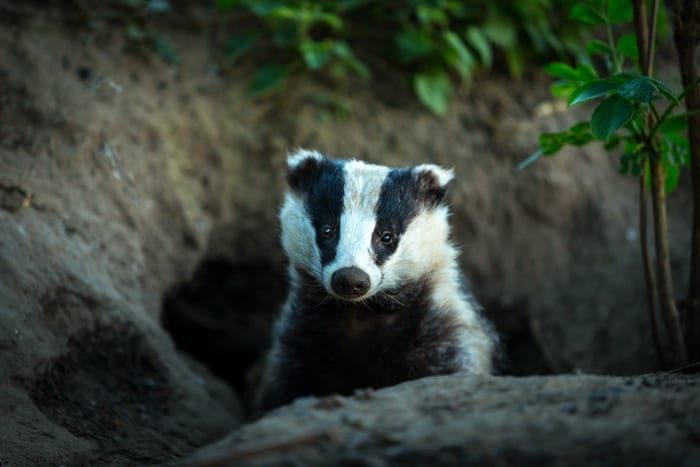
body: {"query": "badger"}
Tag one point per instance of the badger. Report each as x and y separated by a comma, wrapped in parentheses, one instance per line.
(375, 293)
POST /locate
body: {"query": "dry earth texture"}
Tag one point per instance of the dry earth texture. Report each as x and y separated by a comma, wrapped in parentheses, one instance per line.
(460, 420)
(138, 214)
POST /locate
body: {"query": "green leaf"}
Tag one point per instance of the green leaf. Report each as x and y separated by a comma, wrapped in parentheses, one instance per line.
(334, 21)
(266, 79)
(551, 143)
(620, 11)
(561, 70)
(586, 14)
(563, 89)
(672, 175)
(673, 124)
(428, 14)
(627, 46)
(277, 11)
(239, 44)
(611, 114)
(500, 30)
(586, 72)
(434, 90)
(316, 54)
(347, 5)
(596, 46)
(625, 163)
(345, 54)
(639, 89)
(579, 134)
(263, 7)
(664, 89)
(480, 42)
(631, 163)
(158, 6)
(135, 32)
(166, 49)
(457, 55)
(514, 58)
(612, 142)
(594, 90)
(413, 45)
(223, 5)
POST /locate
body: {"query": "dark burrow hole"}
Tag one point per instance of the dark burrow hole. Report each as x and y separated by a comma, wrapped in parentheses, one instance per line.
(520, 354)
(222, 318)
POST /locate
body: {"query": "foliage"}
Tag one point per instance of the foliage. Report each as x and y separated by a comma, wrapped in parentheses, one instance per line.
(437, 42)
(627, 111)
(137, 31)
(656, 143)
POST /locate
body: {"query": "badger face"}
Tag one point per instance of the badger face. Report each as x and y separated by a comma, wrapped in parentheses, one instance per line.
(361, 229)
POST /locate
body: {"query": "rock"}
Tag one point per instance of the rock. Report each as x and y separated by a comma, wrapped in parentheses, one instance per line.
(573, 420)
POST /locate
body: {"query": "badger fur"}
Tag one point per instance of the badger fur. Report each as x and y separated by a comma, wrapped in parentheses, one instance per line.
(376, 296)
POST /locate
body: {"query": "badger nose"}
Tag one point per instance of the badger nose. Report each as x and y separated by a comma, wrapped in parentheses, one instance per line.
(350, 282)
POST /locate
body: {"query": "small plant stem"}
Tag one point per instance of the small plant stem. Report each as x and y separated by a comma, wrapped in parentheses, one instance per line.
(663, 262)
(648, 272)
(685, 21)
(664, 284)
(641, 27)
(652, 35)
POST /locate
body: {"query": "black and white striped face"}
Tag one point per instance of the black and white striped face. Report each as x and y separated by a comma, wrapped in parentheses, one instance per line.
(360, 228)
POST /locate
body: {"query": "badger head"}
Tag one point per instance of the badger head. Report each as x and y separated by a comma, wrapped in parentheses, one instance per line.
(362, 229)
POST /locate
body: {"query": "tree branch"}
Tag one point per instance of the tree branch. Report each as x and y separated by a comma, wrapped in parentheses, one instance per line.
(686, 17)
(667, 302)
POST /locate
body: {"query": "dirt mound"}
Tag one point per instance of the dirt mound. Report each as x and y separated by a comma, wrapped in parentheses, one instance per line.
(575, 420)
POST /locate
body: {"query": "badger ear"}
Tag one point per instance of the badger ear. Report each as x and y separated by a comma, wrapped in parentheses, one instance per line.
(302, 168)
(433, 182)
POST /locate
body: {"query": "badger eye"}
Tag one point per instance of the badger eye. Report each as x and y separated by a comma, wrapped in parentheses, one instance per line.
(327, 231)
(387, 237)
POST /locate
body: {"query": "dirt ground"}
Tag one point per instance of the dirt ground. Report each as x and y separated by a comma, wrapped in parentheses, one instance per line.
(138, 230)
(576, 420)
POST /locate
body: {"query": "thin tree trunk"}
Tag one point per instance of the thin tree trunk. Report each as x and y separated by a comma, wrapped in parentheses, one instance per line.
(685, 22)
(661, 351)
(667, 303)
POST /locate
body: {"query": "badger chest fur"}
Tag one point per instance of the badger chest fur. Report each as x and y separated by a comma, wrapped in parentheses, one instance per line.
(376, 296)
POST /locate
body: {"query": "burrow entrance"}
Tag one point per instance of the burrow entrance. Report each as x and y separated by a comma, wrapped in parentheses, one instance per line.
(222, 317)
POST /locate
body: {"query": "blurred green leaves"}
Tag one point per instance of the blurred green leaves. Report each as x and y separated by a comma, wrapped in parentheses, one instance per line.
(438, 44)
(625, 111)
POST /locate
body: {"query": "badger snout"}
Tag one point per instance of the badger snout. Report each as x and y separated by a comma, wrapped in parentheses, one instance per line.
(350, 282)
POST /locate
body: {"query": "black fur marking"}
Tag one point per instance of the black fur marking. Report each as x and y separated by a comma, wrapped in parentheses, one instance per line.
(404, 193)
(303, 175)
(336, 346)
(322, 181)
(397, 205)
